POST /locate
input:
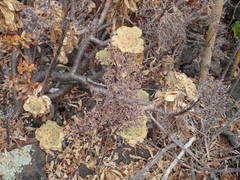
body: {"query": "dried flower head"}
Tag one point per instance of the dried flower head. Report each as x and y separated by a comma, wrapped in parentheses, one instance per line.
(127, 39)
(50, 136)
(37, 105)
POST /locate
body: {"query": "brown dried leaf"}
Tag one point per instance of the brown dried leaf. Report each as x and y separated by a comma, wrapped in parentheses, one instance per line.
(9, 15)
(23, 66)
(131, 4)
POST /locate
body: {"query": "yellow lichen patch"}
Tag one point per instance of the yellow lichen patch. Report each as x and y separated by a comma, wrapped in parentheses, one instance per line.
(127, 39)
(50, 136)
(143, 95)
(37, 105)
(136, 133)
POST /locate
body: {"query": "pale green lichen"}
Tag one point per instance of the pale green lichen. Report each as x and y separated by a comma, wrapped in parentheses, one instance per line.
(143, 95)
(12, 162)
(103, 56)
(127, 39)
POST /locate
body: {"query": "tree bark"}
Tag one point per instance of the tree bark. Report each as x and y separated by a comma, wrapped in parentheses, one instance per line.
(210, 40)
(236, 63)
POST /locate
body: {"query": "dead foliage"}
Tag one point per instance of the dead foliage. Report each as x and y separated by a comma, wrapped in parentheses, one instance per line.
(103, 87)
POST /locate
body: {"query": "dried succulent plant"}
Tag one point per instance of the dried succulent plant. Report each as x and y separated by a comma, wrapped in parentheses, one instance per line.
(50, 136)
(37, 105)
(127, 39)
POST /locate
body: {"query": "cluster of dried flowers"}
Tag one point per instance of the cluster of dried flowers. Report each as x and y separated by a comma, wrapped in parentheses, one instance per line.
(215, 102)
(123, 80)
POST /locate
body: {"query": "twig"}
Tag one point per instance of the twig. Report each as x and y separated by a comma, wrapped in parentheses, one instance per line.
(54, 61)
(102, 27)
(234, 86)
(154, 108)
(60, 92)
(35, 50)
(192, 170)
(231, 60)
(233, 139)
(204, 133)
(225, 151)
(104, 12)
(228, 158)
(138, 175)
(101, 88)
(189, 152)
(157, 123)
(206, 146)
(98, 41)
(86, 40)
(229, 170)
(175, 161)
(14, 60)
(18, 106)
(22, 143)
(226, 125)
(234, 12)
(81, 49)
(92, 85)
(10, 115)
(192, 104)
(235, 63)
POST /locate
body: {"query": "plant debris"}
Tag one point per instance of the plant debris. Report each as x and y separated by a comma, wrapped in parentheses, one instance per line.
(123, 89)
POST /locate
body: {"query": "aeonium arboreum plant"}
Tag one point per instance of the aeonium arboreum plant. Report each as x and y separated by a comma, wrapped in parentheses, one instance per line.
(123, 79)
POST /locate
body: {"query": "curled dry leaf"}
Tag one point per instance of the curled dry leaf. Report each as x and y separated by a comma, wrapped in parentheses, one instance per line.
(184, 82)
(170, 96)
(179, 88)
(37, 90)
(57, 16)
(131, 4)
(172, 100)
(37, 105)
(50, 136)
(127, 39)
(23, 66)
(9, 18)
(15, 40)
(181, 82)
(69, 43)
